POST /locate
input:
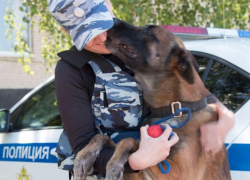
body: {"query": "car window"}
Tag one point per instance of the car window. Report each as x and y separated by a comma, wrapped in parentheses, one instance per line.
(39, 111)
(202, 61)
(229, 86)
(2, 120)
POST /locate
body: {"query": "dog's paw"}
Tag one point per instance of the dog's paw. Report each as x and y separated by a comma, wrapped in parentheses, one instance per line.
(114, 171)
(83, 165)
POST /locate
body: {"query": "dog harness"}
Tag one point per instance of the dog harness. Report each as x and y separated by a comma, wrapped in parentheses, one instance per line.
(116, 102)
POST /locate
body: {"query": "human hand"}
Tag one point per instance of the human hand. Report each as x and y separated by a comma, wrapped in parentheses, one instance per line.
(212, 137)
(152, 150)
(213, 134)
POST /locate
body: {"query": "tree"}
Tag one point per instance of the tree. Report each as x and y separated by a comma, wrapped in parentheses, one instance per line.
(200, 13)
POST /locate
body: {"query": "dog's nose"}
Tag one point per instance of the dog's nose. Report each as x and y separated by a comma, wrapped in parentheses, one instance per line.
(116, 21)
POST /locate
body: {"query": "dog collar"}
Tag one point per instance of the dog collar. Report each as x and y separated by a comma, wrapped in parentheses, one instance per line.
(174, 106)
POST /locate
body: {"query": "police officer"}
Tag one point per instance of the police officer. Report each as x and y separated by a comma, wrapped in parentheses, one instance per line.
(79, 98)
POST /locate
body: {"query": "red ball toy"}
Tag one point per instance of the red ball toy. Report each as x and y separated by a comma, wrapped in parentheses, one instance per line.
(155, 131)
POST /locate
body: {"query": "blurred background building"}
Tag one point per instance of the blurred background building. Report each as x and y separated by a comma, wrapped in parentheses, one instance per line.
(14, 82)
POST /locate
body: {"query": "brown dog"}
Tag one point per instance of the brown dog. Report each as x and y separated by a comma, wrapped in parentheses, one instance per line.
(166, 71)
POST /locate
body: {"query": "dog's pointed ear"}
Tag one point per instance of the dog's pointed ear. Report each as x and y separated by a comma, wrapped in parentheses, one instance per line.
(184, 63)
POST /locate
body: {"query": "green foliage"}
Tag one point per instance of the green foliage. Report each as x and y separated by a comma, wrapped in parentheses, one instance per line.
(21, 46)
(54, 40)
(200, 13)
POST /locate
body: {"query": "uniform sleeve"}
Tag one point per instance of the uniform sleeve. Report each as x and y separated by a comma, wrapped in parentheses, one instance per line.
(74, 105)
(73, 90)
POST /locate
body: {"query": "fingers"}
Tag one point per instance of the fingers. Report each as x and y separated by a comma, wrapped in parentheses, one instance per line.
(222, 110)
(167, 131)
(211, 139)
(166, 134)
(174, 139)
(215, 149)
(144, 131)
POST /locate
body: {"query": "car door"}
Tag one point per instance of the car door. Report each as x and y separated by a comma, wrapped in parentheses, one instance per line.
(27, 150)
(231, 85)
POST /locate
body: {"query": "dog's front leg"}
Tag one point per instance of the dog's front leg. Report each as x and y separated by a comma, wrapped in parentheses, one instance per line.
(85, 158)
(115, 166)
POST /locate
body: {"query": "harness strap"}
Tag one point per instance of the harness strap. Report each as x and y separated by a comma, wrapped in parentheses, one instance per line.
(80, 58)
(99, 72)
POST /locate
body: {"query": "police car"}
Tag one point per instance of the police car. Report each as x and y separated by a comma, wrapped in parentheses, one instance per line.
(29, 131)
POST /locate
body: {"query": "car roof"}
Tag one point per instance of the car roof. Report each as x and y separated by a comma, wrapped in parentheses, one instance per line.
(233, 50)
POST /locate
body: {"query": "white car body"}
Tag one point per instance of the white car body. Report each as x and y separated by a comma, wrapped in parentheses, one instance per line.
(30, 153)
(235, 51)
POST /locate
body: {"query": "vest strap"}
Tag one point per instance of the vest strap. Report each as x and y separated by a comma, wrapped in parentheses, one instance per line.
(80, 58)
